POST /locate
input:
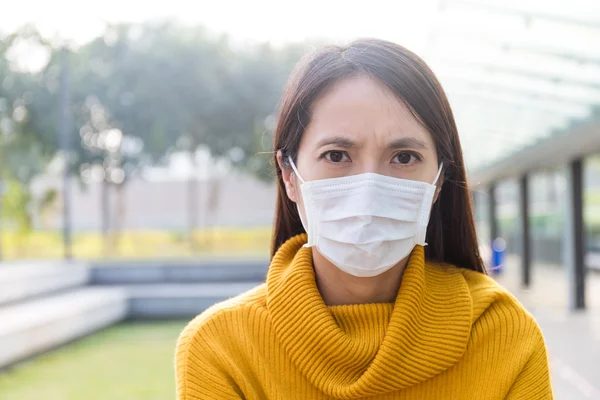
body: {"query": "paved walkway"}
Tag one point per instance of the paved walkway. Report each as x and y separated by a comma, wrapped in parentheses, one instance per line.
(573, 338)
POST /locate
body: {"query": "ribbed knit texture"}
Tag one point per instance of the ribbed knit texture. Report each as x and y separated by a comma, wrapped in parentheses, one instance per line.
(451, 334)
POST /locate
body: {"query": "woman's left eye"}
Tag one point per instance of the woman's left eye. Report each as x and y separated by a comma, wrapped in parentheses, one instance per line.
(405, 158)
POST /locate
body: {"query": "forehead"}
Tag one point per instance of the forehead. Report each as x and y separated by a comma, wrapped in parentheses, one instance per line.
(365, 109)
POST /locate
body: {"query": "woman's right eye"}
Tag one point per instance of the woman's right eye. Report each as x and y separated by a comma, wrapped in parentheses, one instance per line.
(336, 156)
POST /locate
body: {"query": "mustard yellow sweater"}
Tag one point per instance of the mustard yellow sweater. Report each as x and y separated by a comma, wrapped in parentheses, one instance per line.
(451, 334)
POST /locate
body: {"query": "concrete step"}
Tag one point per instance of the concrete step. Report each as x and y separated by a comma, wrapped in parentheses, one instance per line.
(20, 281)
(35, 326)
(179, 300)
(119, 273)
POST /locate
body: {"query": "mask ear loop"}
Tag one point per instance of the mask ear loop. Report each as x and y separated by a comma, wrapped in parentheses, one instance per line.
(424, 232)
(296, 169)
(436, 177)
(304, 224)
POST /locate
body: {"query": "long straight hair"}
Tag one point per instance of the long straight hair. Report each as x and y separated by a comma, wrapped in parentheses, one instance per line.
(451, 234)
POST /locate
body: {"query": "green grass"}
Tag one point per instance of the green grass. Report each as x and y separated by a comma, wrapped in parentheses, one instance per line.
(126, 362)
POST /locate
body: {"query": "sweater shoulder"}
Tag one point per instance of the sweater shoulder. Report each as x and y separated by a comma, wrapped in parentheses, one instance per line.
(482, 287)
(491, 300)
(204, 346)
(215, 321)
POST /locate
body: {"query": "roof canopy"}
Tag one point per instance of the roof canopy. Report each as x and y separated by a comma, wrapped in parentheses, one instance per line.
(519, 74)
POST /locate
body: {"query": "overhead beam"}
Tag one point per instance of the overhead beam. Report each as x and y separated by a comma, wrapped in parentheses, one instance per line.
(446, 47)
(491, 100)
(514, 96)
(532, 15)
(521, 46)
(537, 75)
(591, 95)
(567, 55)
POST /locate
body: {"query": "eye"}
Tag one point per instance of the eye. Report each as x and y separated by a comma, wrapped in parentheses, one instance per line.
(405, 158)
(336, 156)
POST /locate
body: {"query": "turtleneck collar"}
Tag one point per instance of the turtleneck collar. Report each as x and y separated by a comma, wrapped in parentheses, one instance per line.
(354, 351)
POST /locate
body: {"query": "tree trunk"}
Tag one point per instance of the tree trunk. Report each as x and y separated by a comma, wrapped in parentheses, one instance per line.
(105, 212)
(119, 216)
(212, 205)
(193, 201)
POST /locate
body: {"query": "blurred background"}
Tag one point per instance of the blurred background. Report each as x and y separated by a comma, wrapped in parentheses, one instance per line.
(136, 185)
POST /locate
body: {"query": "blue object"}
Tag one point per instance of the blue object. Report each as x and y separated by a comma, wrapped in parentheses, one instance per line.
(498, 255)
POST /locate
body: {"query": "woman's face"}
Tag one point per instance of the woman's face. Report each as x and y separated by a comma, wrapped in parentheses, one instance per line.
(360, 126)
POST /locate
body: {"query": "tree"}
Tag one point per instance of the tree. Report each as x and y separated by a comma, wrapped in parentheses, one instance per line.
(25, 150)
(179, 88)
(166, 88)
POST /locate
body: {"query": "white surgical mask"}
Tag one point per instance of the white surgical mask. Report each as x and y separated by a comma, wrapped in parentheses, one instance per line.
(365, 224)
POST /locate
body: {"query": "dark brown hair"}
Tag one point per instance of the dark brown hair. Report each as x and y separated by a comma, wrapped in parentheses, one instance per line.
(451, 235)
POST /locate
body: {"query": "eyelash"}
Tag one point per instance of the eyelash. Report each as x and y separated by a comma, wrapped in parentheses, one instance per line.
(417, 156)
(324, 155)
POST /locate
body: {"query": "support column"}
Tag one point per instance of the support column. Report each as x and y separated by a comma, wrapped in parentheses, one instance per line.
(525, 233)
(574, 246)
(493, 220)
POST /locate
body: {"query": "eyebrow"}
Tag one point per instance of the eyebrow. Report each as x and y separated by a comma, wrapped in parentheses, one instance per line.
(338, 141)
(407, 143)
(403, 143)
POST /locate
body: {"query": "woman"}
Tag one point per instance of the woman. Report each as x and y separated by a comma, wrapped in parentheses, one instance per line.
(375, 287)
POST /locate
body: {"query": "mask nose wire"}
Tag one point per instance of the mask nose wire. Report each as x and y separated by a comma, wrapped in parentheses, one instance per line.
(298, 173)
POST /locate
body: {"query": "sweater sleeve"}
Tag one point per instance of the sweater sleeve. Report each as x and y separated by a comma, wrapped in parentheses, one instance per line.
(533, 383)
(199, 374)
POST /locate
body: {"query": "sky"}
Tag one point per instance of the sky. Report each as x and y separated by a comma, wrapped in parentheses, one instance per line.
(405, 21)
(260, 20)
(274, 21)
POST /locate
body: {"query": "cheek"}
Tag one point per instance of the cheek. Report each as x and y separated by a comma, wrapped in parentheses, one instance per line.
(301, 209)
(432, 166)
